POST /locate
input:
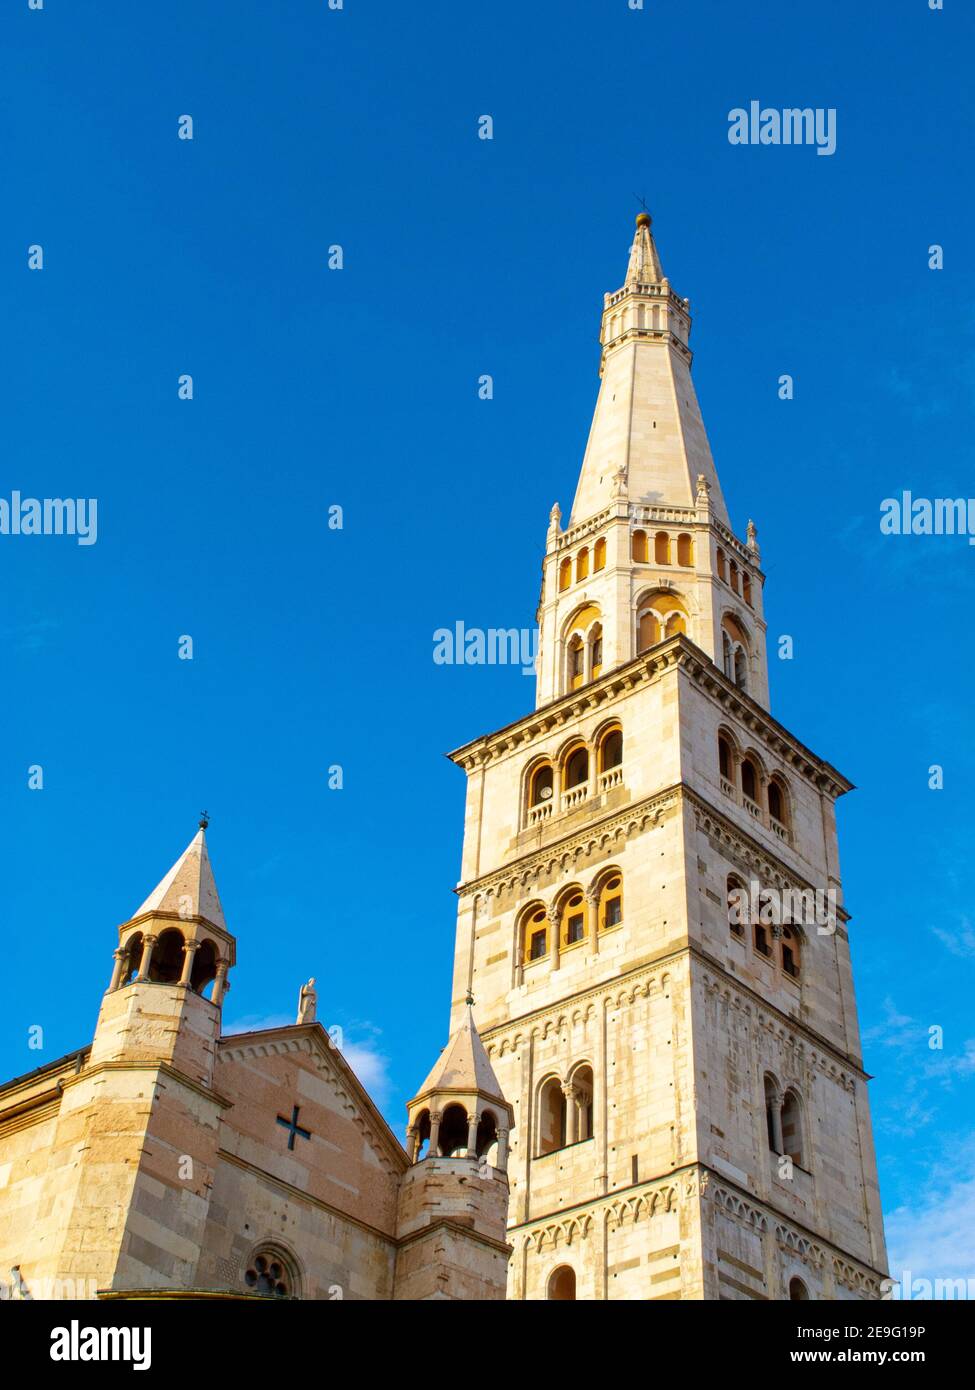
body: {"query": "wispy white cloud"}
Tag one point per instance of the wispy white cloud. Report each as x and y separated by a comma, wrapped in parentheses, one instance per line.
(960, 942)
(371, 1066)
(933, 1237)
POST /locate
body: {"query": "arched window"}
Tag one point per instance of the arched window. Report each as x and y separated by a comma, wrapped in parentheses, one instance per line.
(749, 779)
(422, 1140)
(734, 576)
(725, 764)
(577, 662)
(562, 1284)
(741, 669)
(722, 572)
(133, 958)
(534, 933)
(565, 574)
(268, 1274)
(792, 1127)
(204, 970)
(778, 801)
(746, 587)
(572, 918)
(453, 1132)
(791, 959)
(541, 784)
(727, 656)
(762, 945)
(772, 1113)
(685, 550)
(487, 1133)
(577, 767)
(582, 564)
(611, 749)
(580, 1122)
(641, 552)
(659, 614)
(166, 964)
(661, 548)
(577, 634)
(596, 651)
(599, 555)
(797, 1290)
(648, 632)
(551, 1117)
(737, 906)
(611, 902)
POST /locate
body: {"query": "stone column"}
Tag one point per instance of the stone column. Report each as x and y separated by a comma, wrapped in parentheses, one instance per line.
(220, 985)
(592, 906)
(411, 1138)
(434, 1149)
(571, 1112)
(472, 1135)
(189, 951)
(554, 927)
(503, 1150)
(118, 956)
(146, 962)
(777, 1141)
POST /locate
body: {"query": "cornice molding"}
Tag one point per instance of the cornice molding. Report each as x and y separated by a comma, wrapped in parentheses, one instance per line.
(676, 652)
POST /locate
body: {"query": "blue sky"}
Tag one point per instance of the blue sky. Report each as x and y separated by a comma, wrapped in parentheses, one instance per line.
(359, 388)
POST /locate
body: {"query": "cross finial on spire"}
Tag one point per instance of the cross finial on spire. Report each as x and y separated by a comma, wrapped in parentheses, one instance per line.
(204, 820)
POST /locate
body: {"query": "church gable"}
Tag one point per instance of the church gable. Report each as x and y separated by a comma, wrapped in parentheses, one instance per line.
(299, 1113)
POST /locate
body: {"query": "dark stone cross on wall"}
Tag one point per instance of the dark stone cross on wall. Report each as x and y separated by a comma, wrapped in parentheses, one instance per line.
(293, 1126)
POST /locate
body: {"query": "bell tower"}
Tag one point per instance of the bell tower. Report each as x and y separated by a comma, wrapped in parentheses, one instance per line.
(137, 1135)
(453, 1201)
(650, 909)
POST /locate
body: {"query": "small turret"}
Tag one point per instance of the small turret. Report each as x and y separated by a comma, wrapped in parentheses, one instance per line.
(453, 1205)
(170, 952)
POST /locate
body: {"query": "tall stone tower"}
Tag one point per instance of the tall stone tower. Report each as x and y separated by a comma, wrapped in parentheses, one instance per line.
(650, 913)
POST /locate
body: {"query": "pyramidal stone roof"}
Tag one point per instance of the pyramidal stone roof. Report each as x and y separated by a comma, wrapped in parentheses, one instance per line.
(189, 887)
(463, 1065)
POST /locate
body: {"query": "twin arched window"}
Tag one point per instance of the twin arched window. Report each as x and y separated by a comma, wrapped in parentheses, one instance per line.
(565, 1110)
(659, 615)
(783, 1120)
(735, 651)
(583, 647)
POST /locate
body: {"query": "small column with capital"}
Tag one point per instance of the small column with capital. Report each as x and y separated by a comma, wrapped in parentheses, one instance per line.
(189, 951)
(118, 956)
(146, 961)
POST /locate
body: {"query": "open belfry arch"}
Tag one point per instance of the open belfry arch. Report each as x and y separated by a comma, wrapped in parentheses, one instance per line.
(690, 1105)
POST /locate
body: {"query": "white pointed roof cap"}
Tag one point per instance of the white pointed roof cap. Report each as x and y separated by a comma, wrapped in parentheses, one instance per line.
(189, 887)
(463, 1065)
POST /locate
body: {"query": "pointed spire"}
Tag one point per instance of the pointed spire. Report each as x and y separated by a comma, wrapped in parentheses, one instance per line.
(189, 888)
(647, 443)
(463, 1064)
(644, 267)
